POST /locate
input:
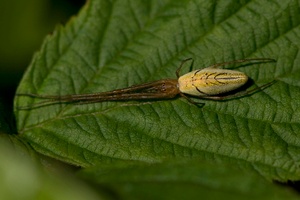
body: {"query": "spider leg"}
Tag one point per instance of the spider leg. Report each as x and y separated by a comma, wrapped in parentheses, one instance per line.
(198, 104)
(182, 63)
(240, 94)
(242, 61)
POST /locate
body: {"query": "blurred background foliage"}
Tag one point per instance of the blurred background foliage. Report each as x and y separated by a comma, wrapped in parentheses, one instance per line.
(24, 25)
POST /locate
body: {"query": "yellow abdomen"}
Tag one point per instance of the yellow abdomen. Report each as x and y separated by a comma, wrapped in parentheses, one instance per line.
(211, 81)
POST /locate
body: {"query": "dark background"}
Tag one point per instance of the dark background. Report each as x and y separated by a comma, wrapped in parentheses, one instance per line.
(24, 25)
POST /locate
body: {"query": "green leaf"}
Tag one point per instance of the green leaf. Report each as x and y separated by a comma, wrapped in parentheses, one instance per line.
(116, 44)
(184, 180)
